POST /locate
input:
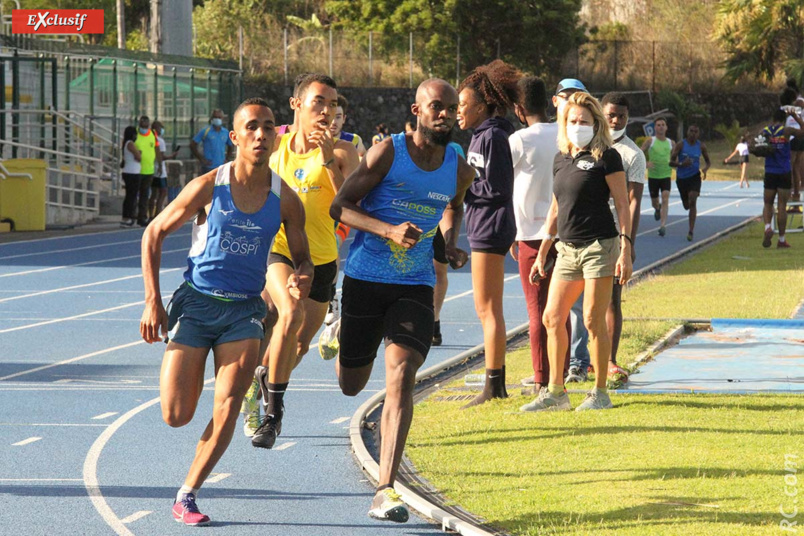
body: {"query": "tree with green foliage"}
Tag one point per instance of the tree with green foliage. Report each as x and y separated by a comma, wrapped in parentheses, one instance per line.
(534, 35)
(761, 38)
(684, 109)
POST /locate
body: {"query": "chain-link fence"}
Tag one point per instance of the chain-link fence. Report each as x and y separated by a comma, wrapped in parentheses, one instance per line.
(374, 59)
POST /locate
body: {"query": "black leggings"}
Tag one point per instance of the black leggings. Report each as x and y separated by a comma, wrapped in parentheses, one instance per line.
(131, 182)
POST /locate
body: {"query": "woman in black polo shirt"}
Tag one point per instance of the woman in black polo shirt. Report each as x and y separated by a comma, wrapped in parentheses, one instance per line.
(587, 171)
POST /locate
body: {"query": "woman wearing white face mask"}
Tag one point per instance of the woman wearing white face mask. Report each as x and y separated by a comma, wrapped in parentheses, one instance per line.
(591, 253)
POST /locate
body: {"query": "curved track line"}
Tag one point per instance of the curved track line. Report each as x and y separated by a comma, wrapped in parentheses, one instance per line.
(90, 473)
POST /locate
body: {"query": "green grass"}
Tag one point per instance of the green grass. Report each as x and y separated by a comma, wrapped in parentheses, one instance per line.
(655, 465)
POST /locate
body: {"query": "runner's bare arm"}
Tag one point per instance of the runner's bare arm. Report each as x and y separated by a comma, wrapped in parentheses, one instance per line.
(619, 191)
(674, 155)
(345, 162)
(370, 173)
(292, 214)
(453, 216)
(191, 201)
(705, 154)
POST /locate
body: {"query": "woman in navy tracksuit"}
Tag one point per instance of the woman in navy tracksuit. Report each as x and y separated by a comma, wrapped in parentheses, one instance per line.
(485, 97)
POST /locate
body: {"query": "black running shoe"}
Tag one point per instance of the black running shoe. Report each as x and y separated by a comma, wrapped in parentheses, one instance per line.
(269, 430)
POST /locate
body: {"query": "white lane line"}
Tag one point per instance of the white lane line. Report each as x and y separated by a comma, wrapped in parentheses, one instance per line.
(51, 268)
(104, 415)
(339, 420)
(71, 360)
(76, 317)
(26, 441)
(284, 446)
(135, 516)
(90, 473)
(85, 285)
(49, 424)
(82, 248)
(468, 292)
(216, 477)
(685, 220)
(40, 480)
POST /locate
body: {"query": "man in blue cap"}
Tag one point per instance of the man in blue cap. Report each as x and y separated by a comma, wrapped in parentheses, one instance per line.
(565, 88)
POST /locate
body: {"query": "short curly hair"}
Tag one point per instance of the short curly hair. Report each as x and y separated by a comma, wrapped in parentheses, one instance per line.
(496, 85)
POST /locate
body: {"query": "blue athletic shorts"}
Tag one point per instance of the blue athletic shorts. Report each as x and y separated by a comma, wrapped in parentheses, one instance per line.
(201, 321)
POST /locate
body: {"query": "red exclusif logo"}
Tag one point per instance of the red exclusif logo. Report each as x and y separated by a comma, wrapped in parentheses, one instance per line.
(57, 21)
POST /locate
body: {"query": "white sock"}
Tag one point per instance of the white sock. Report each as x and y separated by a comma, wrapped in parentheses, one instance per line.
(781, 238)
(186, 489)
(767, 226)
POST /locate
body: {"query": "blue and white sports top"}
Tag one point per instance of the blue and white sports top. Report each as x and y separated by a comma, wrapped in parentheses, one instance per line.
(694, 153)
(407, 193)
(229, 254)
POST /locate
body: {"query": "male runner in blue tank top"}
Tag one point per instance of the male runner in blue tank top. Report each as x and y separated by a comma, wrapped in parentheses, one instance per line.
(407, 187)
(686, 158)
(238, 209)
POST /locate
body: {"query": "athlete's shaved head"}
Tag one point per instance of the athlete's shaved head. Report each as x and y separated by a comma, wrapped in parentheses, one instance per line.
(436, 109)
(423, 92)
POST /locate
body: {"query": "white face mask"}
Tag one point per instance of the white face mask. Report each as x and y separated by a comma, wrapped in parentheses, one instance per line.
(580, 135)
(617, 134)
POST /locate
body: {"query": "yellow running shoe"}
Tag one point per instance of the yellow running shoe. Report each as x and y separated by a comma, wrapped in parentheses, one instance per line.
(250, 408)
(329, 344)
(391, 509)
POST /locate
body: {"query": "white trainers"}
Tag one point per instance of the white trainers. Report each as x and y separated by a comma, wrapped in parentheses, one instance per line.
(595, 400)
(333, 312)
(329, 345)
(547, 401)
(391, 509)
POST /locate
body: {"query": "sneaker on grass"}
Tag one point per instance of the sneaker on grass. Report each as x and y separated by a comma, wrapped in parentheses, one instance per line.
(595, 400)
(547, 401)
(186, 511)
(766, 238)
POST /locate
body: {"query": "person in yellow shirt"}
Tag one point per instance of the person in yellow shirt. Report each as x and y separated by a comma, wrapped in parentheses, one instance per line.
(150, 159)
(314, 165)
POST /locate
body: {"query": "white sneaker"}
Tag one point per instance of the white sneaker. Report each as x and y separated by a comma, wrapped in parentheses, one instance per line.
(547, 401)
(329, 345)
(595, 400)
(391, 509)
(333, 312)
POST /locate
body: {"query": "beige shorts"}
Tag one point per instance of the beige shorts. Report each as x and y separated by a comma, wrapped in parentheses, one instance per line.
(598, 259)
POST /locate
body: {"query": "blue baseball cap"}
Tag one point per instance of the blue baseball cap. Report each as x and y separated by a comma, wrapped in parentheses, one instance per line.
(571, 83)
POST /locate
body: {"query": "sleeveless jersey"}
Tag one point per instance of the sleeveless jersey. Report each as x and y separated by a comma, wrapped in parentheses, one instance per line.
(308, 178)
(659, 154)
(694, 153)
(229, 254)
(779, 162)
(406, 193)
(354, 139)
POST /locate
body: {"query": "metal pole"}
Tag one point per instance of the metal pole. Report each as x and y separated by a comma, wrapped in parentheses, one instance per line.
(67, 127)
(115, 130)
(156, 92)
(653, 68)
(192, 102)
(285, 43)
(240, 42)
(41, 65)
(15, 101)
(54, 102)
(175, 104)
(330, 51)
(91, 86)
(136, 109)
(209, 93)
(410, 56)
(616, 63)
(371, 67)
(220, 89)
(2, 103)
(458, 64)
